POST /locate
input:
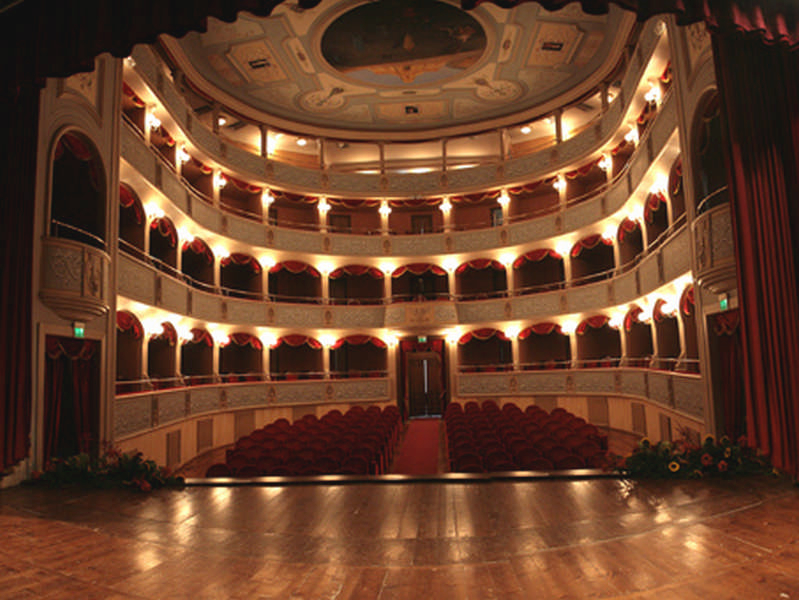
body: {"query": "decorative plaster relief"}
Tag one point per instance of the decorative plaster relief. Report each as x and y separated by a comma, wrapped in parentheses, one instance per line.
(594, 381)
(246, 311)
(62, 268)
(207, 307)
(296, 315)
(246, 231)
(131, 415)
(301, 393)
(246, 395)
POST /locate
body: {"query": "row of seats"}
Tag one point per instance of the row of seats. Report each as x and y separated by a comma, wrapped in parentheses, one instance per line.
(489, 439)
(358, 442)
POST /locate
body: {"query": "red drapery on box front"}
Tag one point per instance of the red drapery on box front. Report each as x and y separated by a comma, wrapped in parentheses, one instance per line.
(127, 321)
(539, 329)
(165, 228)
(627, 226)
(201, 336)
(197, 246)
(592, 241)
(482, 335)
(359, 340)
(168, 333)
(243, 185)
(479, 264)
(652, 205)
(127, 199)
(593, 322)
(356, 271)
(418, 269)
(242, 259)
(535, 256)
(296, 267)
(246, 339)
(297, 340)
(631, 318)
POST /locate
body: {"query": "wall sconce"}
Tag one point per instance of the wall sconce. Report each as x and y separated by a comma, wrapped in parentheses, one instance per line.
(327, 340)
(449, 264)
(512, 331)
(507, 259)
(152, 121)
(503, 199)
(563, 247)
(653, 96)
(185, 235)
(610, 232)
(452, 335)
(387, 268)
(445, 205)
(568, 326)
(559, 184)
(323, 206)
(616, 320)
(267, 198)
(605, 163)
(632, 135)
(183, 156)
(221, 252)
(636, 212)
(267, 262)
(325, 268)
(153, 211)
(384, 209)
(220, 180)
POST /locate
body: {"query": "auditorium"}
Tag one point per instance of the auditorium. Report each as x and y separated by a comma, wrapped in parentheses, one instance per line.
(391, 283)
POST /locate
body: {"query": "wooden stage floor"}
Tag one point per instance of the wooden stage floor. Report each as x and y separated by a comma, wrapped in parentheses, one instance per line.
(596, 538)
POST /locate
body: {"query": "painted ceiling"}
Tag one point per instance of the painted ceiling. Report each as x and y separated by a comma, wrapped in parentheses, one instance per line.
(401, 65)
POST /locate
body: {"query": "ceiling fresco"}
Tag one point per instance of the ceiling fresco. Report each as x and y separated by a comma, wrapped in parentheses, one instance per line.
(401, 65)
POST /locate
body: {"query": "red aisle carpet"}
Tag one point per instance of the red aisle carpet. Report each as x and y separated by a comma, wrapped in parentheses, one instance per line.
(418, 454)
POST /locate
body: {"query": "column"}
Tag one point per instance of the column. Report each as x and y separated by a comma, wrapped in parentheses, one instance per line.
(573, 349)
(264, 130)
(559, 125)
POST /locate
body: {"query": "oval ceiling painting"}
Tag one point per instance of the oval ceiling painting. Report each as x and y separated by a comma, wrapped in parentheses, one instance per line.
(397, 42)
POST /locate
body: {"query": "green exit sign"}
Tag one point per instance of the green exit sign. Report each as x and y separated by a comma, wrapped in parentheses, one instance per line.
(78, 329)
(724, 302)
(422, 339)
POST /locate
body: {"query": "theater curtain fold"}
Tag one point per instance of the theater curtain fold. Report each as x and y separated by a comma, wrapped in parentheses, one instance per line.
(759, 90)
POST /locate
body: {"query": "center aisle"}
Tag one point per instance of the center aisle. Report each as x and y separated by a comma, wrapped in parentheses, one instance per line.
(418, 454)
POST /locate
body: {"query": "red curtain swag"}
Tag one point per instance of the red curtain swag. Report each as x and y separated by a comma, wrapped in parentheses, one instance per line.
(539, 329)
(595, 322)
(197, 246)
(356, 271)
(626, 227)
(536, 256)
(296, 340)
(359, 340)
(687, 301)
(652, 205)
(631, 318)
(620, 147)
(201, 336)
(295, 267)
(584, 170)
(418, 269)
(246, 339)
(592, 241)
(128, 91)
(414, 202)
(353, 203)
(127, 199)
(205, 170)
(243, 185)
(237, 258)
(75, 146)
(675, 178)
(478, 264)
(657, 311)
(475, 198)
(165, 228)
(127, 321)
(482, 335)
(168, 333)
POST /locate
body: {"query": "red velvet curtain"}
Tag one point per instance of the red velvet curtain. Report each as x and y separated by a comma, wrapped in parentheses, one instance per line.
(68, 401)
(731, 382)
(759, 89)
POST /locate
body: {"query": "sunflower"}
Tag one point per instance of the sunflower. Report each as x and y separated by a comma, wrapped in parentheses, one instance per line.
(706, 459)
(674, 466)
(722, 466)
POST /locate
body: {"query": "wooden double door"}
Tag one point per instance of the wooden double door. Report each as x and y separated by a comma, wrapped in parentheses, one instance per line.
(425, 393)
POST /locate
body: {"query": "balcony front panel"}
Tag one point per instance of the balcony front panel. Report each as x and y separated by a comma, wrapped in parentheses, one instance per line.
(204, 399)
(174, 189)
(206, 215)
(246, 230)
(174, 295)
(135, 151)
(247, 311)
(586, 298)
(649, 270)
(714, 247)
(132, 415)
(421, 314)
(676, 255)
(135, 280)
(172, 407)
(538, 305)
(624, 286)
(668, 390)
(357, 245)
(357, 317)
(243, 395)
(476, 311)
(599, 381)
(207, 307)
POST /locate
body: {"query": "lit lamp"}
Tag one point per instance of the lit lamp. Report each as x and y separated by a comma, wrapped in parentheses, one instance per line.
(183, 156)
(152, 121)
(559, 184)
(569, 326)
(220, 180)
(384, 209)
(323, 206)
(632, 135)
(267, 198)
(503, 199)
(445, 205)
(605, 163)
(449, 264)
(512, 331)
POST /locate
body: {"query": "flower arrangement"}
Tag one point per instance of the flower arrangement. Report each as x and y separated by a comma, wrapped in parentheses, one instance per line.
(681, 459)
(111, 469)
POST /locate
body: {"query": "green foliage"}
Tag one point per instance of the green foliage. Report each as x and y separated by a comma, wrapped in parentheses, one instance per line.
(682, 460)
(111, 469)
